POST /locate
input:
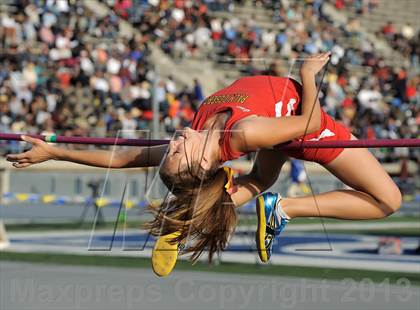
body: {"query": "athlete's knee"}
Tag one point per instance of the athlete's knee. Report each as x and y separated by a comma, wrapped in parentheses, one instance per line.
(392, 199)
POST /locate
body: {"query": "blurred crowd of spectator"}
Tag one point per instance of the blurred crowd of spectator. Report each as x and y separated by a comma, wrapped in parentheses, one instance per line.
(378, 103)
(65, 70)
(405, 39)
(360, 7)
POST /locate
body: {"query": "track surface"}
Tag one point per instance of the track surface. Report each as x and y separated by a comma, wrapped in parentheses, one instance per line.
(37, 286)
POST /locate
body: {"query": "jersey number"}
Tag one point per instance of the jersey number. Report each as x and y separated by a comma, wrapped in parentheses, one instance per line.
(279, 107)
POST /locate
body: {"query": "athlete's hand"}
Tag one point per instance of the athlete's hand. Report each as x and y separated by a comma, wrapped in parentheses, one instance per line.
(40, 152)
(314, 63)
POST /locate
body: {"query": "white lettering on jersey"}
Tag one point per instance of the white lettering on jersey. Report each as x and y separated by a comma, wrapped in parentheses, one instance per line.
(324, 134)
(243, 109)
(279, 106)
(290, 105)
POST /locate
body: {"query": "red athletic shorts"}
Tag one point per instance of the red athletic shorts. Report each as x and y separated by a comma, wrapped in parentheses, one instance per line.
(330, 131)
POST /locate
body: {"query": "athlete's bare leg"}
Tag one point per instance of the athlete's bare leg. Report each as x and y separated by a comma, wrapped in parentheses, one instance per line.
(375, 195)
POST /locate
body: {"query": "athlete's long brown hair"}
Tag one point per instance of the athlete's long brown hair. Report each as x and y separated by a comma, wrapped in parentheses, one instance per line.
(199, 208)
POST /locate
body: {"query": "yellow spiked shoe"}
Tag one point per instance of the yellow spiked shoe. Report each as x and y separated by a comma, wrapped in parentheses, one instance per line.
(165, 254)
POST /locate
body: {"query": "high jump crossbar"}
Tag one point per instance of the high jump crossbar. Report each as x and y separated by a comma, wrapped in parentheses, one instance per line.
(293, 145)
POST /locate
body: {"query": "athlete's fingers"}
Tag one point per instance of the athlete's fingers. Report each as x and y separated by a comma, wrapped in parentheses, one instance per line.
(313, 58)
(30, 139)
(319, 57)
(16, 157)
(11, 157)
(23, 165)
(324, 55)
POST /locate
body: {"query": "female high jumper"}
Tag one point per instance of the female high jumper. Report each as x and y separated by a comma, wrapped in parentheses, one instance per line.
(252, 114)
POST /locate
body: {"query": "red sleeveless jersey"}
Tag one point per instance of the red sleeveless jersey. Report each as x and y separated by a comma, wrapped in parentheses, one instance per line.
(267, 96)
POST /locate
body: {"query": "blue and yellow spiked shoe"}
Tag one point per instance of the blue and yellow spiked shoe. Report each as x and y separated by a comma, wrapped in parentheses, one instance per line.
(269, 225)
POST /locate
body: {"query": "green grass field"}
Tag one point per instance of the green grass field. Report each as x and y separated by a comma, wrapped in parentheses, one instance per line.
(247, 221)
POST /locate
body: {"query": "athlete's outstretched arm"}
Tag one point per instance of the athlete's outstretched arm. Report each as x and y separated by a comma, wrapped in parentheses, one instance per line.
(132, 157)
(261, 132)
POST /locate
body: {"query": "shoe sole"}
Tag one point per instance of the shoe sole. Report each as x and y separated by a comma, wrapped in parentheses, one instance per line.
(164, 255)
(260, 233)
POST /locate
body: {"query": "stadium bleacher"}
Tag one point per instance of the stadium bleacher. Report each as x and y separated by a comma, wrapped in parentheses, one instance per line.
(54, 80)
